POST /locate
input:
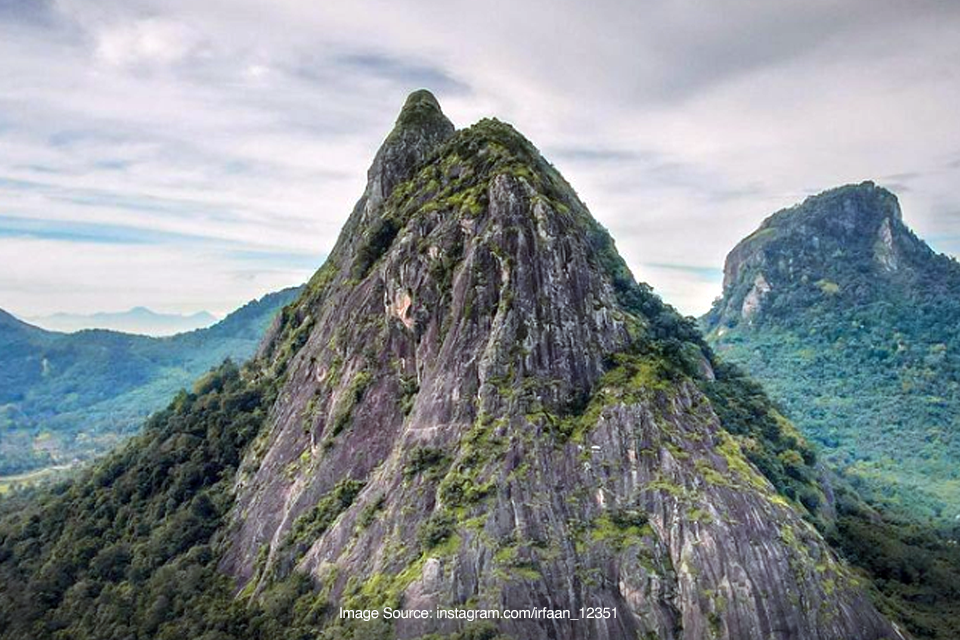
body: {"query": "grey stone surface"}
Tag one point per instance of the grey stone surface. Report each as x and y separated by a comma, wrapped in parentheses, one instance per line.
(469, 335)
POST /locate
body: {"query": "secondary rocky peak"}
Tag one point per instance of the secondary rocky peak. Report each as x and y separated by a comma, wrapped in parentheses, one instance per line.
(854, 207)
(845, 214)
(842, 242)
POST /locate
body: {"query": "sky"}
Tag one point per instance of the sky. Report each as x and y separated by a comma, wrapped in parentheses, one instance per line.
(188, 156)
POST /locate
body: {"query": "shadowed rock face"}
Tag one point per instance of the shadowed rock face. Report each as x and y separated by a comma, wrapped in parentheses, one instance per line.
(476, 411)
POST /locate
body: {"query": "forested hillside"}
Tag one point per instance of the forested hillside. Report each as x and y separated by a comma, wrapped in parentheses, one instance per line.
(853, 325)
(70, 396)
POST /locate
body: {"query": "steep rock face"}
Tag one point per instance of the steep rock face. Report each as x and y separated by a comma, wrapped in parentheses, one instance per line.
(751, 302)
(479, 408)
(464, 302)
(421, 127)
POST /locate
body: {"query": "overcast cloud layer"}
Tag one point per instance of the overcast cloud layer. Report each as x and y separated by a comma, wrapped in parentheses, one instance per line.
(190, 155)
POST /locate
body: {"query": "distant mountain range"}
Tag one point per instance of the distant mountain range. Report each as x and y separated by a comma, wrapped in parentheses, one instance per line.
(67, 396)
(137, 320)
(853, 324)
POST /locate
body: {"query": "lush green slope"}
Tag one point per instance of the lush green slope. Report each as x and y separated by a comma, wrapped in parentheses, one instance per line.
(66, 396)
(128, 549)
(853, 324)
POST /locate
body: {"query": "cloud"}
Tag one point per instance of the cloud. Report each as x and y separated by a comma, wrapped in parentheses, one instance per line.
(43, 277)
(35, 12)
(95, 233)
(145, 42)
(404, 72)
(230, 138)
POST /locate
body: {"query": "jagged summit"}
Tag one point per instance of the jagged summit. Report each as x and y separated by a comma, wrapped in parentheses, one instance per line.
(479, 406)
(449, 175)
(420, 129)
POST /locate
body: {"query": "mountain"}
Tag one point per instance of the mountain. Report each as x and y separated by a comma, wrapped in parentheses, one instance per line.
(68, 396)
(137, 320)
(853, 323)
(472, 405)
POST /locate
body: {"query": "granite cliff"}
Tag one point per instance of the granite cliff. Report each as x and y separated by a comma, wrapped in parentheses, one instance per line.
(503, 418)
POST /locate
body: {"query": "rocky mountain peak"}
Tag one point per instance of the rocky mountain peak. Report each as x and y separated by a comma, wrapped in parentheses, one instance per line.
(478, 404)
(843, 217)
(421, 129)
(846, 214)
(855, 203)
